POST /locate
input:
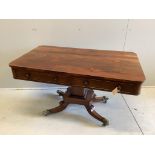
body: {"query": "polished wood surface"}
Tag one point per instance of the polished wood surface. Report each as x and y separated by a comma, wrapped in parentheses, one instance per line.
(87, 62)
(96, 69)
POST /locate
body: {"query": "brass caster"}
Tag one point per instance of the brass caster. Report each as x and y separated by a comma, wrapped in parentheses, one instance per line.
(105, 99)
(60, 93)
(105, 123)
(46, 112)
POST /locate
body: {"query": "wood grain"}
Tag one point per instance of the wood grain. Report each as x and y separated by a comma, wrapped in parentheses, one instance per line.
(90, 68)
(97, 63)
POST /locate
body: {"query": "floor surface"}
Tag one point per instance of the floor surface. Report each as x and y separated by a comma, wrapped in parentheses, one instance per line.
(21, 113)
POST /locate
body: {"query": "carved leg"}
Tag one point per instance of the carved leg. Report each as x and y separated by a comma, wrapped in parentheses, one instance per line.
(81, 96)
(92, 112)
(59, 108)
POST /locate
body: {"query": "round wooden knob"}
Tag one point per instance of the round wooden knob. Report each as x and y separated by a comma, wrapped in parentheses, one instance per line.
(85, 82)
(119, 88)
(27, 75)
(55, 78)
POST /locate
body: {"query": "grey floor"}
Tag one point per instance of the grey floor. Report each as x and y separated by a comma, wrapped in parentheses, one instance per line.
(21, 113)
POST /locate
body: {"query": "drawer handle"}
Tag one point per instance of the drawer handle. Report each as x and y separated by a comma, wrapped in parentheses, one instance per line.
(27, 75)
(119, 88)
(85, 83)
(55, 78)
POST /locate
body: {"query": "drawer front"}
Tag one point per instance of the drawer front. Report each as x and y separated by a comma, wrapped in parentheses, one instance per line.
(108, 85)
(56, 78)
(21, 74)
(34, 76)
(65, 79)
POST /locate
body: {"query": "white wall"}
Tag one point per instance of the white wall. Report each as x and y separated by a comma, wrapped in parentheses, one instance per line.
(141, 38)
(19, 36)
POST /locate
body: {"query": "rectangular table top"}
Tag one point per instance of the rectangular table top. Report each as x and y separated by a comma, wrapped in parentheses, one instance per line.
(115, 65)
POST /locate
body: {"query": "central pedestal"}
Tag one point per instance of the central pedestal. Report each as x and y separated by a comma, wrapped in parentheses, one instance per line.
(82, 96)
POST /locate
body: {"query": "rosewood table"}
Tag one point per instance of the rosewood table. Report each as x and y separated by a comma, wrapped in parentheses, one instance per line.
(82, 70)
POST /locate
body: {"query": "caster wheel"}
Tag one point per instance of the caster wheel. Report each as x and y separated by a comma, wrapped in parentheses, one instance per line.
(60, 93)
(46, 112)
(105, 99)
(105, 123)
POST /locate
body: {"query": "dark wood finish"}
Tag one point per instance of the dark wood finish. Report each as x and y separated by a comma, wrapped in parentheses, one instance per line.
(81, 96)
(83, 70)
(95, 69)
(59, 108)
